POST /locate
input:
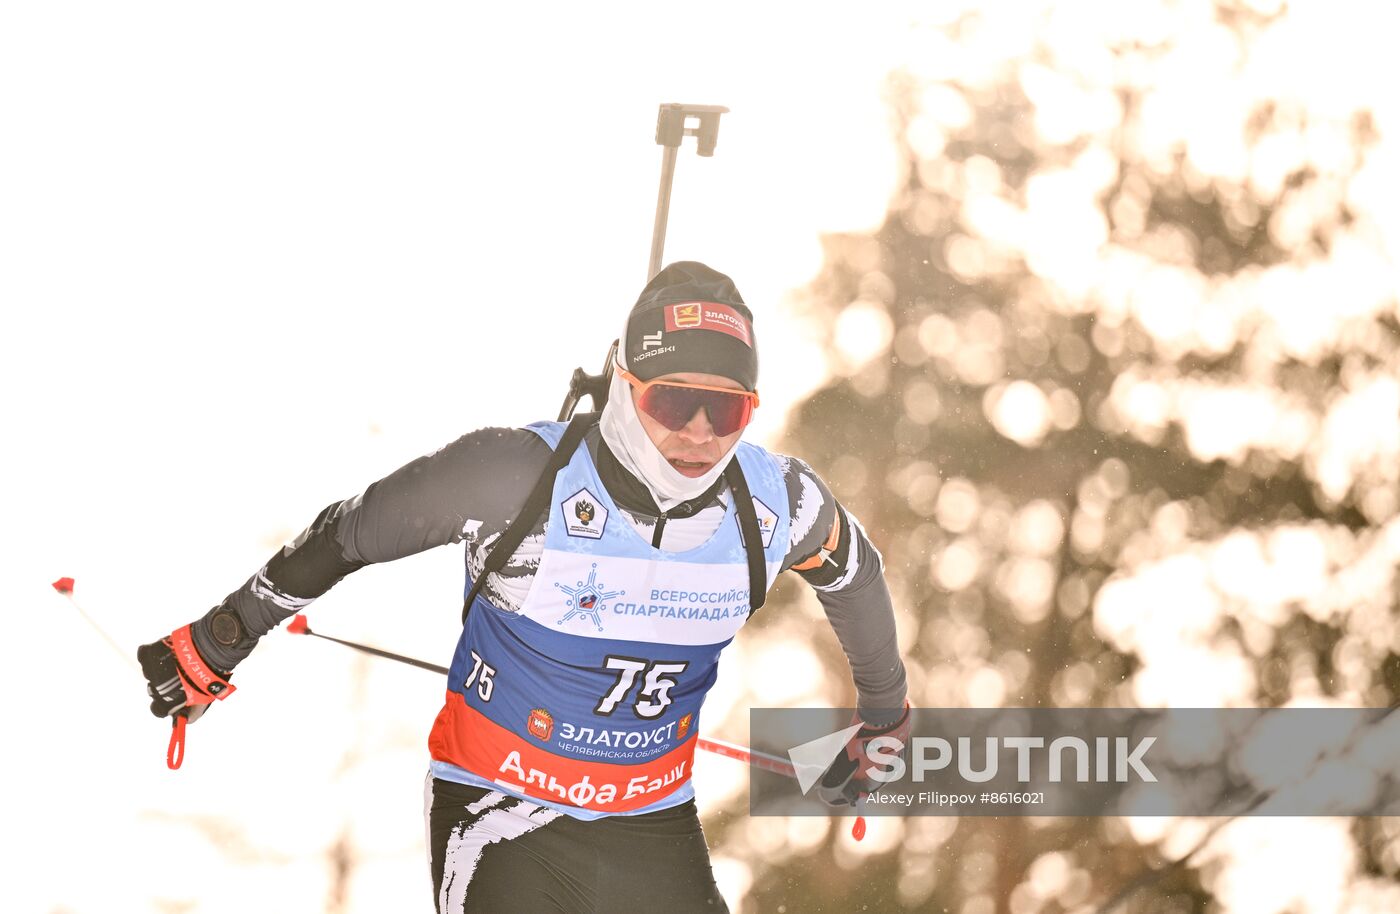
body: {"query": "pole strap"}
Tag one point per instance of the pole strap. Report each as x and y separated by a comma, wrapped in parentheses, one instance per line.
(175, 752)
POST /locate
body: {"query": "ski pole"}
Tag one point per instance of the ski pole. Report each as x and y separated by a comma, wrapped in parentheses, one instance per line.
(776, 765)
(752, 757)
(65, 587)
(299, 626)
(175, 751)
(748, 756)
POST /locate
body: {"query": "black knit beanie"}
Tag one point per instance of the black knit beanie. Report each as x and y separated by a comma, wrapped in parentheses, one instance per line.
(691, 318)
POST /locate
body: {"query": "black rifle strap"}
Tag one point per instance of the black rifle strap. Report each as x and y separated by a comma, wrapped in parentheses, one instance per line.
(537, 502)
(753, 540)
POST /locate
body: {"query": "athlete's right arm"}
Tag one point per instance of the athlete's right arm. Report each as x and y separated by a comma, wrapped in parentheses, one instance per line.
(475, 483)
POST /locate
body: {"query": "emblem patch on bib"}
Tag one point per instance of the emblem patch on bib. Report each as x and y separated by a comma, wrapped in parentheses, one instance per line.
(767, 522)
(588, 599)
(584, 515)
(540, 724)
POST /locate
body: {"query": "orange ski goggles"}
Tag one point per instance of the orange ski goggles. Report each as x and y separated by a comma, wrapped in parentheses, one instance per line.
(674, 404)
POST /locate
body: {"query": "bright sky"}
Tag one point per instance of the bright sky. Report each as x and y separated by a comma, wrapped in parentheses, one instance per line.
(254, 257)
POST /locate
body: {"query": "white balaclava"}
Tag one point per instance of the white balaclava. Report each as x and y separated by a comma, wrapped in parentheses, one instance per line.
(632, 447)
(689, 318)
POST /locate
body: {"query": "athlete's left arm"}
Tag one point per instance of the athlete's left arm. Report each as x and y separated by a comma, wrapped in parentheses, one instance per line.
(830, 550)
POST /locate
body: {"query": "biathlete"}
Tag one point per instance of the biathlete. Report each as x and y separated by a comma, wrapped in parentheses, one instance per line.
(609, 561)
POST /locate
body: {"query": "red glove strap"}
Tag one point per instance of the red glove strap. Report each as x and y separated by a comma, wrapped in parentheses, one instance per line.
(202, 684)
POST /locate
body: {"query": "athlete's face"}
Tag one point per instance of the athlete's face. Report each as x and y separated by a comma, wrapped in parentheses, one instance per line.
(694, 448)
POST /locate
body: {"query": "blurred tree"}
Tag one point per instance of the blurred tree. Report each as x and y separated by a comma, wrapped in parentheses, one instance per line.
(1116, 394)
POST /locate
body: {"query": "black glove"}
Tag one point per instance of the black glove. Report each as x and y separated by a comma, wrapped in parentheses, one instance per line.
(846, 780)
(178, 679)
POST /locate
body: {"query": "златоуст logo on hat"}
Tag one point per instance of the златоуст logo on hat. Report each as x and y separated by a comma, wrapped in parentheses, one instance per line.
(685, 316)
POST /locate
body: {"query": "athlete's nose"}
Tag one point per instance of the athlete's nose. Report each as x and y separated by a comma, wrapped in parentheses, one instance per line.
(698, 429)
